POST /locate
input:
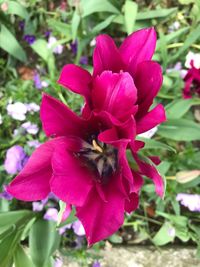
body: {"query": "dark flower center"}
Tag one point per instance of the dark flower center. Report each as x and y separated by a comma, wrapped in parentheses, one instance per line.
(100, 158)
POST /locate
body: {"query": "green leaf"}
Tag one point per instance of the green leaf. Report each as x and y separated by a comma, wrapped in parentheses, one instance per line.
(172, 36)
(116, 239)
(43, 241)
(163, 236)
(40, 47)
(102, 25)
(177, 108)
(21, 259)
(62, 206)
(76, 19)
(157, 13)
(153, 144)
(70, 219)
(60, 27)
(192, 37)
(12, 217)
(11, 236)
(89, 7)
(9, 43)
(16, 8)
(186, 2)
(180, 130)
(130, 12)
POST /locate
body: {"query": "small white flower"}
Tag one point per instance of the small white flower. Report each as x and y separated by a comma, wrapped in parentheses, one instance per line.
(44, 84)
(58, 49)
(192, 57)
(17, 111)
(30, 128)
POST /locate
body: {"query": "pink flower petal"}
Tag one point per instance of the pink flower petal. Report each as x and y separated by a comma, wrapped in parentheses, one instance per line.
(138, 47)
(151, 119)
(106, 55)
(58, 119)
(76, 79)
(33, 181)
(137, 181)
(101, 219)
(148, 80)
(151, 172)
(71, 181)
(114, 93)
(133, 203)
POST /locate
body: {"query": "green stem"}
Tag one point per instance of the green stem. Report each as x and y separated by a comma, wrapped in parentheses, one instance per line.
(142, 218)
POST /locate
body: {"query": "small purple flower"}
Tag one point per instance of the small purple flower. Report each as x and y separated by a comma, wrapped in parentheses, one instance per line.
(96, 264)
(47, 33)
(74, 47)
(78, 228)
(33, 143)
(51, 215)
(83, 60)
(5, 194)
(191, 201)
(32, 107)
(37, 206)
(15, 160)
(37, 81)
(21, 25)
(63, 229)
(30, 127)
(58, 262)
(30, 39)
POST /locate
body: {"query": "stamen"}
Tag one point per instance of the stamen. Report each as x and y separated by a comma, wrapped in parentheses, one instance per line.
(96, 146)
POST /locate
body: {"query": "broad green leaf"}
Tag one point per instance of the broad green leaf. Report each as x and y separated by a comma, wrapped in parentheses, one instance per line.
(180, 130)
(148, 15)
(177, 108)
(163, 236)
(130, 12)
(116, 239)
(21, 259)
(11, 238)
(8, 246)
(76, 19)
(62, 206)
(12, 217)
(163, 167)
(89, 7)
(157, 13)
(153, 144)
(43, 241)
(172, 36)
(102, 25)
(186, 2)
(61, 27)
(192, 37)
(16, 8)
(9, 43)
(40, 47)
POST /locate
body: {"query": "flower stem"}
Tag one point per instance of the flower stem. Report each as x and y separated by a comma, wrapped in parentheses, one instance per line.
(142, 218)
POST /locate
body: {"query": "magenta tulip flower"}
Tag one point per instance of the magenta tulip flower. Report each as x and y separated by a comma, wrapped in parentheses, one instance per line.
(133, 57)
(84, 163)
